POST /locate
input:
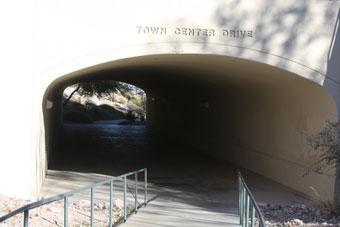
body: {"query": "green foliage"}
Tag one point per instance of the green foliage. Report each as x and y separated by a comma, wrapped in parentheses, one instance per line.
(327, 143)
(141, 102)
(102, 87)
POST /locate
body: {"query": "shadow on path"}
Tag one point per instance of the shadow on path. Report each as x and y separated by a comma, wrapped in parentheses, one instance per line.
(184, 184)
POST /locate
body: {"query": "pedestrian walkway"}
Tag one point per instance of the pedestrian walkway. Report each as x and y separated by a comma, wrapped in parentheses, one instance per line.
(174, 213)
(186, 187)
(173, 202)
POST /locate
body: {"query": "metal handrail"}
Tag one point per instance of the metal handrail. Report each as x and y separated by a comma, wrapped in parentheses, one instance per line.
(247, 203)
(65, 196)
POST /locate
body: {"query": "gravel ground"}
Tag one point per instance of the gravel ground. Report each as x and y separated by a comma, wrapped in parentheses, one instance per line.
(53, 214)
(299, 215)
(287, 215)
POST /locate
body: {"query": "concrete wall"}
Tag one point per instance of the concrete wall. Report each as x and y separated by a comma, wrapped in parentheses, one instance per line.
(17, 159)
(259, 122)
(68, 36)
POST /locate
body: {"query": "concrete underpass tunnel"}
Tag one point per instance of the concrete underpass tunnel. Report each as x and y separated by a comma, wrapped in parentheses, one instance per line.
(248, 113)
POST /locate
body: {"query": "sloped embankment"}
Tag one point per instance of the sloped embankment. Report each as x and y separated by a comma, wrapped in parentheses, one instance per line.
(82, 109)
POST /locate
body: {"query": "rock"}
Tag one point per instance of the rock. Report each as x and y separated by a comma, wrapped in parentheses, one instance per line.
(84, 203)
(298, 221)
(106, 205)
(33, 213)
(318, 212)
(53, 213)
(118, 203)
(54, 210)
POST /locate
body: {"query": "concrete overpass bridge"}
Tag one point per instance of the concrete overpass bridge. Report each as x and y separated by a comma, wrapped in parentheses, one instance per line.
(242, 80)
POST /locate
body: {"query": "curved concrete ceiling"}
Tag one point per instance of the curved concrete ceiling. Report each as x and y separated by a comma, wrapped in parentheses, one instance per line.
(151, 72)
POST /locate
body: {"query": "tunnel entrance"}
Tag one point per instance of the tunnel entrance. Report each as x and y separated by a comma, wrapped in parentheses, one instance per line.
(106, 101)
(206, 116)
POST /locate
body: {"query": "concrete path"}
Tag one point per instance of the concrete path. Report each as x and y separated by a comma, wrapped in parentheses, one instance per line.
(173, 202)
(186, 187)
(165, 212)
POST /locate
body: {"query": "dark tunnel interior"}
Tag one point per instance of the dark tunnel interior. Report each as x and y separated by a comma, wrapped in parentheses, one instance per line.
(207, 116)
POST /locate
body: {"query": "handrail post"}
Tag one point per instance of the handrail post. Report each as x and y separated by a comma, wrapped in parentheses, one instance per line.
(243, 206)
(252, 215)
(239, 195)
(65, 196)
(124, 198)
(111, 189)
(136, 192)
(248, 205)
(26, 218)
(240, 199)
(92, 206)
(65, 211)
(247, 211)
(145, 186)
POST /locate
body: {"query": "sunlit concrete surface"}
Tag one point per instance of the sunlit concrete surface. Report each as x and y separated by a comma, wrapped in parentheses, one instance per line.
(186, 187)
(177, 202)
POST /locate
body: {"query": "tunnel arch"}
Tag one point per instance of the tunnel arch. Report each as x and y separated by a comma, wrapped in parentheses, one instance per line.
(101, 59)
(250, 113)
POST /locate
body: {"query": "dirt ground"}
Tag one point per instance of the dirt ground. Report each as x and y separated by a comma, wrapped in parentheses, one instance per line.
(52, 214)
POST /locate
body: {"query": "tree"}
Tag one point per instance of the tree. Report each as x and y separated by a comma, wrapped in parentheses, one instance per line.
(99, 88)
(327, 143)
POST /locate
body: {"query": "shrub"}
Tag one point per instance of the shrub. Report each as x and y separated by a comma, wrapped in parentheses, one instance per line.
(130, 116)
(327, 143)
(122, 100)
(140, 102)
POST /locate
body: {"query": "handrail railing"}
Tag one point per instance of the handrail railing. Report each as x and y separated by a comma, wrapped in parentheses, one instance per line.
(66, 195)
(247, 203)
